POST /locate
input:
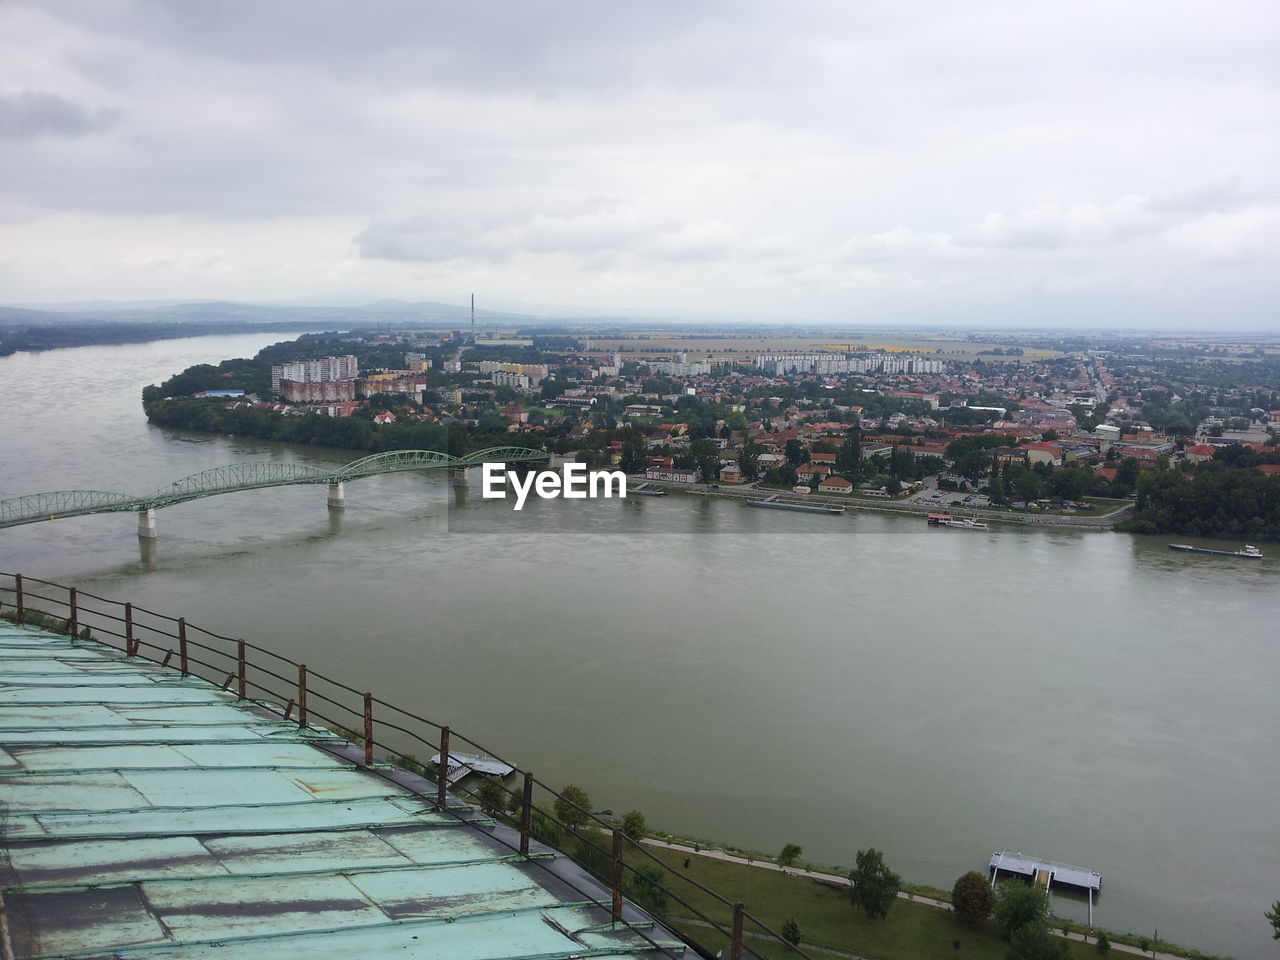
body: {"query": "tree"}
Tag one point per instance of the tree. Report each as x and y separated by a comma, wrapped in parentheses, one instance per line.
(1017, 905)
(873, 886)
(1033, 941)
(789, 855)
(791, 932)
(972, 463)
(635, 455)
(971, 898)
(633, 825)
(646, 889)
(705, 457)
(491, 796)
(749, 459)
(849, 459)
(1102, 944)
(573, 806)
(1274, 916)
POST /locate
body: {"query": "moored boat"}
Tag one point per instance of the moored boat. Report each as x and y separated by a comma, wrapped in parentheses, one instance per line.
(1247, 552)
(801, 507)
(967, 523)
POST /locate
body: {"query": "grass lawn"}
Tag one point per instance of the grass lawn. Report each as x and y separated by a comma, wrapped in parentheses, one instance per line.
(912, 931)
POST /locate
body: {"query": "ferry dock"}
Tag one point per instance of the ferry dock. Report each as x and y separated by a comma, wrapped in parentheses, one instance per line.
(1045, 873)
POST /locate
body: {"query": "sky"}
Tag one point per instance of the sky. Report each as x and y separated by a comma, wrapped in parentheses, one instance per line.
(996, 162)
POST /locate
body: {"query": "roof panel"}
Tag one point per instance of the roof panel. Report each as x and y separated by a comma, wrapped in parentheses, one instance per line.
(150, 811)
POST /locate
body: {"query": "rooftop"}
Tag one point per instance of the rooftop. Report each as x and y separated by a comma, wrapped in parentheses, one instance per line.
(148, 814)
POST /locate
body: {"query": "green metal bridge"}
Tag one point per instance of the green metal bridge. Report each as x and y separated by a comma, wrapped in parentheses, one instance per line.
(235, 477)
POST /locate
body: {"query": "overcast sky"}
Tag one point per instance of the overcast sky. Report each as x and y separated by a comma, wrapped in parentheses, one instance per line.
(1104, 164)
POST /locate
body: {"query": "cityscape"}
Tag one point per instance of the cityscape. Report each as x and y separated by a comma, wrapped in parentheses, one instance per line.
(716, 479)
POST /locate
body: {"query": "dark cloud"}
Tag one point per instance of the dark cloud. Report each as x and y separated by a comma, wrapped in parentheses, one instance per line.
(33, 113)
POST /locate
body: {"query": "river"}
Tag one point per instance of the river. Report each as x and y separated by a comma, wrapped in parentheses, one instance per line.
(748, 676)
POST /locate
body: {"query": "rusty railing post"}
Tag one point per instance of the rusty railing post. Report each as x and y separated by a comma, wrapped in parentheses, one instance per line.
(735, 944)
(73, 612)
(442, 773)
(302, 694)
(128, 630)
(526, 814)
(368, 729)
(182, 644)
(617, 875)
(17, 589)
(240, 668)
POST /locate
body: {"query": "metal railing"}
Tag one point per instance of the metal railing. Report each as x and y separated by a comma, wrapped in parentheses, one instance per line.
(534, 812)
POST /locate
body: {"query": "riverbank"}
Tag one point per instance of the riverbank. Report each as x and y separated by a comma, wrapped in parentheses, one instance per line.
(917, 925)
(1104, 521)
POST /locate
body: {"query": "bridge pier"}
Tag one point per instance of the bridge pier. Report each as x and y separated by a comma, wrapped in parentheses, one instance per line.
(459, 477)
(147, 523)
(337, 495)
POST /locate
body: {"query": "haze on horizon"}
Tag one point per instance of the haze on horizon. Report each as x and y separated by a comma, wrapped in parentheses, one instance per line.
(891, 163)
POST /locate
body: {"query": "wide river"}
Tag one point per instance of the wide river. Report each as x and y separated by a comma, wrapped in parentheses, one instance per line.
(752, 677)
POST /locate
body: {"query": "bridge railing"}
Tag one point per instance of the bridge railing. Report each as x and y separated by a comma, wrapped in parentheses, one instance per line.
(533, 818)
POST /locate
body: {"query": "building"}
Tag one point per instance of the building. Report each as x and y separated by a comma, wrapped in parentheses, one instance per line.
(835, 485)
(316, 391)
(732, 473)
(316, 370)
(509, 378)
(671, 474)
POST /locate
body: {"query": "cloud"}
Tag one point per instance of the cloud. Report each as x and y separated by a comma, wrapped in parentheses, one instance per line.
(849, 159)
(1050, 226)
(33, 113)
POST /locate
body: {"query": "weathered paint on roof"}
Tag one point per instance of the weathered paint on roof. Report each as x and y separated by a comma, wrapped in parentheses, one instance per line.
(151, 816)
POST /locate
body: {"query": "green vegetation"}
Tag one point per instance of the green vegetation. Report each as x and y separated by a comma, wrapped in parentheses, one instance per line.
(573, 806)
(911, 930)
(972, 898)
(873, 886)
(633, 825)
(1217, 500)
(1017, 905)
(1273, 916)
(1033, 941)
(791, 932)
(47, 335)
(790, 854)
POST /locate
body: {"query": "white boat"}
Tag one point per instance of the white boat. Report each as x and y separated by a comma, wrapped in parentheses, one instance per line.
(965, 523)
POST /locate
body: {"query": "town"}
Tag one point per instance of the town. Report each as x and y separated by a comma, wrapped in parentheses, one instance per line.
(1012, 423)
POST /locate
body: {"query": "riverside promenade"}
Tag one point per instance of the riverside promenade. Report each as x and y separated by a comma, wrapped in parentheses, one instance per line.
(1104, 521)
(837, 880)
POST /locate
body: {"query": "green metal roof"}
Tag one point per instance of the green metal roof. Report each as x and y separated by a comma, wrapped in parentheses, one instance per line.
(149, 815)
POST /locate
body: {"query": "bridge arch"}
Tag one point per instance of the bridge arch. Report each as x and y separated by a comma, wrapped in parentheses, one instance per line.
(236, 477)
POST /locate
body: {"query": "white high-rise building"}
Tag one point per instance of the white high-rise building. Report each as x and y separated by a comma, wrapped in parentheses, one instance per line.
(315, 370)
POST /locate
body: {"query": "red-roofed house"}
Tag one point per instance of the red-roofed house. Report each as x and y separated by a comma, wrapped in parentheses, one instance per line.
(835, 485)
(1200, 453)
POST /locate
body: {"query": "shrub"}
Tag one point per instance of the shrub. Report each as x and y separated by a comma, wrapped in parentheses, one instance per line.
(972, 898)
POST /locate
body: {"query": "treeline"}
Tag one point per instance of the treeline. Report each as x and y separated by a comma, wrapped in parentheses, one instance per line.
(251, 376)
(53, 336)
(349, 433)
(1217, 500)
